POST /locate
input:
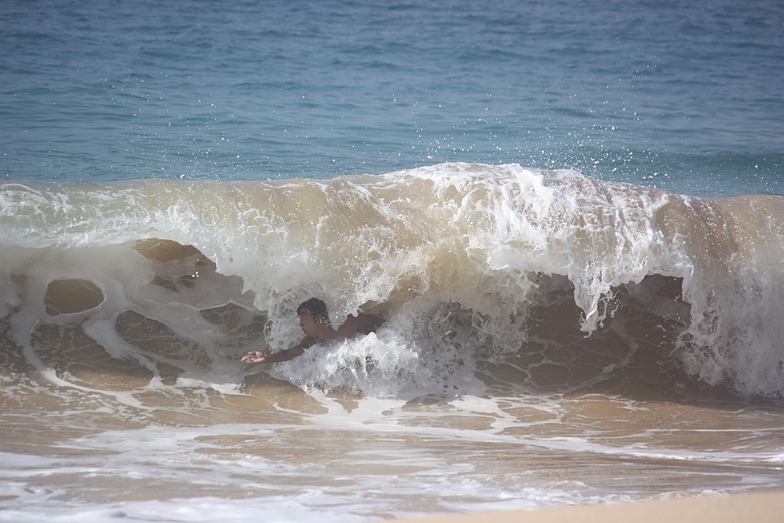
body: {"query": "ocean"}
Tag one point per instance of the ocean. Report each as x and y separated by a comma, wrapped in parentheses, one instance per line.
(569, 213)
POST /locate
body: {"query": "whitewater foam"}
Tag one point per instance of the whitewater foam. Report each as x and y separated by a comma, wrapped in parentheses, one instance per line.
(459, 258)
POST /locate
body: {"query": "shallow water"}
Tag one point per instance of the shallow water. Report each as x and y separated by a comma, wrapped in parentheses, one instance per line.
(554, 341)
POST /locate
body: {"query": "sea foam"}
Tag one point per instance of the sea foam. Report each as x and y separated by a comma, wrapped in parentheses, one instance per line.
(179, 277)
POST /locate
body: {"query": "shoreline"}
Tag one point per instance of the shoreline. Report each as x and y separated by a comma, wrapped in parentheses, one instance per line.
(762, 507)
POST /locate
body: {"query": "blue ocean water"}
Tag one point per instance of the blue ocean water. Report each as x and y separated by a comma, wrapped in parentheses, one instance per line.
(681, 95)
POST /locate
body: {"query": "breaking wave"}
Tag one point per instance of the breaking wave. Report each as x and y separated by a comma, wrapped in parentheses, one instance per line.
(134, 286)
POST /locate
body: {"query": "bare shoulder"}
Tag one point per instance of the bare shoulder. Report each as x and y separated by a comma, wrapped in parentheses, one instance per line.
(362, 323)
(367, 323)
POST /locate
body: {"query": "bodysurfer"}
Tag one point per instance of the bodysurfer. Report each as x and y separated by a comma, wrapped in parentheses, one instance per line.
(314, 322)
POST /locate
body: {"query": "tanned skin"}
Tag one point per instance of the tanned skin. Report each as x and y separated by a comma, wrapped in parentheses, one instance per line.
(317, 328)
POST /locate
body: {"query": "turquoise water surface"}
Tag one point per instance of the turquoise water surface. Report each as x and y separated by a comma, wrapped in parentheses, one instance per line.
(681, 95)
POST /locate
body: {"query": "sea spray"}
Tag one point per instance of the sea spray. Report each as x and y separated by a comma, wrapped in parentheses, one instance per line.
(181, 277)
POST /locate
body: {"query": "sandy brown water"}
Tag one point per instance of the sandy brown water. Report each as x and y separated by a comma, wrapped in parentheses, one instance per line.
(568, 419)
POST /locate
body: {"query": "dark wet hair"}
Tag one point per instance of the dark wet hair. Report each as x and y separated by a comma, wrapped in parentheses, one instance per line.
(315, 307)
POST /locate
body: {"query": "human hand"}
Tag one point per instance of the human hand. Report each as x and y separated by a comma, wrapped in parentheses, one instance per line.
(255, 357)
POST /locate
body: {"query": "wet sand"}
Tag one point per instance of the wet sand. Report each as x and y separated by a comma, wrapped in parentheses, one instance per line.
(767, 507)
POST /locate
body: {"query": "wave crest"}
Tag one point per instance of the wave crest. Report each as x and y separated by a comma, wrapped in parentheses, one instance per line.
(465, 261)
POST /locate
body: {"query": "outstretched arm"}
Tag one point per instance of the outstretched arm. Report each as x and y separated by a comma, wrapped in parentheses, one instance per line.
(284, 355)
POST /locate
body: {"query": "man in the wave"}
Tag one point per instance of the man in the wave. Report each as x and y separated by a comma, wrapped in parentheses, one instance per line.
(314, 321)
